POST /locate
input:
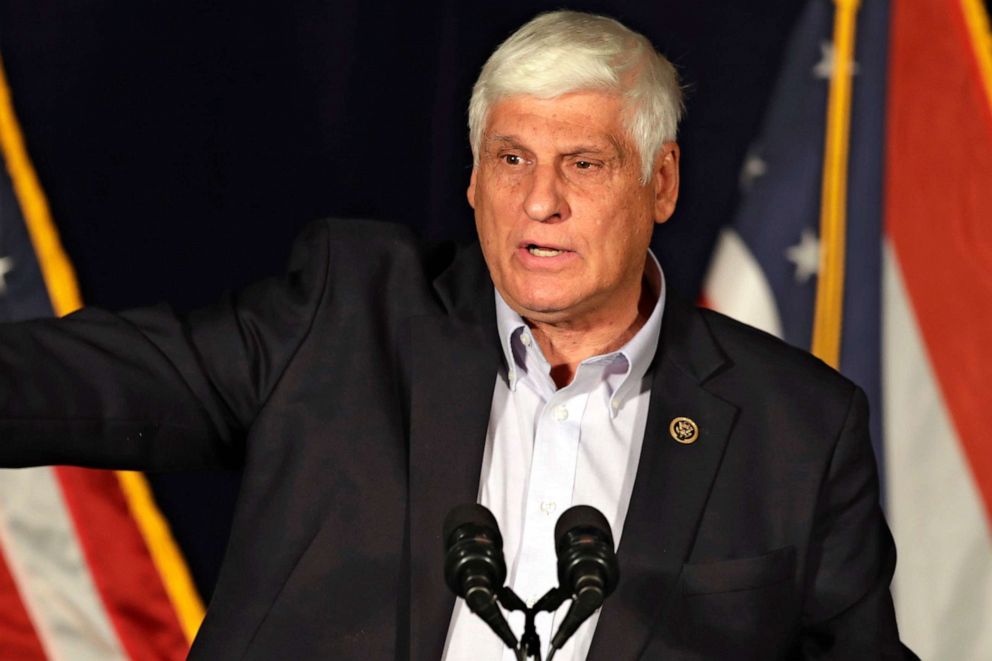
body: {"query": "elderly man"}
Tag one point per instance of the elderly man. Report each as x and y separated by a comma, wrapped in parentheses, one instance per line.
(382, 382)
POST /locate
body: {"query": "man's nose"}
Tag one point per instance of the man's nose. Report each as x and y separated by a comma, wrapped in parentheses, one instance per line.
(545, 201)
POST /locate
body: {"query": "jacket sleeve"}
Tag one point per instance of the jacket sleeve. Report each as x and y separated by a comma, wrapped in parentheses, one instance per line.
(848, 611)
(149, 389)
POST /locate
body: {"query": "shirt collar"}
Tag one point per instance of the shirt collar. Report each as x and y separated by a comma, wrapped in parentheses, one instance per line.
(638, 352)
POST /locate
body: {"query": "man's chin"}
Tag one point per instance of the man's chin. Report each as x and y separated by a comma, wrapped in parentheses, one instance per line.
(548, 310)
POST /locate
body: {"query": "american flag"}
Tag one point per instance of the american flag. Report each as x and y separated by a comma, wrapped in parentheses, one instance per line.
(917, 275)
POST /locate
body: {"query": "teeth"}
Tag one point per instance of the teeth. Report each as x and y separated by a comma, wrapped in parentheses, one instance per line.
(543, 252)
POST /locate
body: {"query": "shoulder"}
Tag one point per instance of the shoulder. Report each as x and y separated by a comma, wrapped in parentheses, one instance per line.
(371, 243)
(346, 238)
(750, 347)
(772, 375)
(386, 267)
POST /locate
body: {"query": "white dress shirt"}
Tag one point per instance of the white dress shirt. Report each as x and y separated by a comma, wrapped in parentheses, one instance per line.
(548, 449)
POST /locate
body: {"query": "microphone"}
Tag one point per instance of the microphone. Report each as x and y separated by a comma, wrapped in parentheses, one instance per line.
(474, 567)
(587, 566)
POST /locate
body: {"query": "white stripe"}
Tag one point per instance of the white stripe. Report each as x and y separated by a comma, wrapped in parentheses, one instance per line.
(736, 286)
(47, 563)
(943, 582)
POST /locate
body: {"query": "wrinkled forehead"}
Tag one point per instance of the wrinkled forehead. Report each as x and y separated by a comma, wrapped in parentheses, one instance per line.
(588, 117)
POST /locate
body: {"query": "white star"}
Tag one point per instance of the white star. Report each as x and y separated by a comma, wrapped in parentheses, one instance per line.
(754, 167)
(824, 69)
(805, 255)
(6, 266)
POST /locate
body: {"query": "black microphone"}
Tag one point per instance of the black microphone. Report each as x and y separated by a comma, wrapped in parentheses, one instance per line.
(474, 567)
(587, 566)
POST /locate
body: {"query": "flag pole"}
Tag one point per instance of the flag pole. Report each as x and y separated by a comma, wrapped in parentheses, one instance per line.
(977, 23)
(829, 313)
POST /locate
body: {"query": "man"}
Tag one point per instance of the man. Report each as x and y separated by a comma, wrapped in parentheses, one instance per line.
(382, 382)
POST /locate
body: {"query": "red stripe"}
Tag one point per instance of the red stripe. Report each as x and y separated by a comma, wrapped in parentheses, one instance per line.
(938, 200)
(122, 569)
(18, 639)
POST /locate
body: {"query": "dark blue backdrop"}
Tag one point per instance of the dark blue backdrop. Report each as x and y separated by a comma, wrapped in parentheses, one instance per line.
(183, 145)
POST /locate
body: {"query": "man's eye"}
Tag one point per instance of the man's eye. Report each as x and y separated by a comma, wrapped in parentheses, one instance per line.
(512, 159)
(583, 165)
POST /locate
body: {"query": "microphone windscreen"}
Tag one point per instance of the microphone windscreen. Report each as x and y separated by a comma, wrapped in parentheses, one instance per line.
(470, 513)
(581, 516)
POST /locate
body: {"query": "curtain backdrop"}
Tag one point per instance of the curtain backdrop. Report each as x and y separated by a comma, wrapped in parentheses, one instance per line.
(183, 144)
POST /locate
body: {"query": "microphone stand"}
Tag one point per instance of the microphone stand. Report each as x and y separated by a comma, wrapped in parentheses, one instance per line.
(530, 642)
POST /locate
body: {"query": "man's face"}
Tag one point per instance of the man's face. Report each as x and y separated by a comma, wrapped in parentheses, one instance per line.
(561, 213)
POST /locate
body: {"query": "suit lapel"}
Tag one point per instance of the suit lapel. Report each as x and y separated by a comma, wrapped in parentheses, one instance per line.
(672, 484)
(455, 358)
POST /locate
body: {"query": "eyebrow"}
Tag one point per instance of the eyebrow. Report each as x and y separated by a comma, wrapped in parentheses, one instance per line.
(586, 149)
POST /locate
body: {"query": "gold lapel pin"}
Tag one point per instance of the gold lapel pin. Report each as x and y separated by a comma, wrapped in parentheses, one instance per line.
(684, 430)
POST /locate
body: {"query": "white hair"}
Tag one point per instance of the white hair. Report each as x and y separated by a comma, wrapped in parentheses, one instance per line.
(568, 51)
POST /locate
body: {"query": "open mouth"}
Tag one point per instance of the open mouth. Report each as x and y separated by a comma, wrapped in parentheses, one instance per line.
(543, 251)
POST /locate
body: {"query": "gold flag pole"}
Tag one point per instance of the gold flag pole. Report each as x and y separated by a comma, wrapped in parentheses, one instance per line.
(828, 318)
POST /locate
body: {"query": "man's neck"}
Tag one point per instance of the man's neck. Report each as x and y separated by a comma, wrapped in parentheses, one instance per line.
(566, 345)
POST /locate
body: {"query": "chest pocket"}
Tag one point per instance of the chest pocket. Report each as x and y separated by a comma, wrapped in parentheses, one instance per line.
(739, 573)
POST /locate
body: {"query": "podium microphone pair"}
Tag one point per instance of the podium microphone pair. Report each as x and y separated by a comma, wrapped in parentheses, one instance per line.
(475, 570)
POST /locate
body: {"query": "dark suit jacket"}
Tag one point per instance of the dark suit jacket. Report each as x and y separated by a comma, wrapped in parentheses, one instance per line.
(355, 393)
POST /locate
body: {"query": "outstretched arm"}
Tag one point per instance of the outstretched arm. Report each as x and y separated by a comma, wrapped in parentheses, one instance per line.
(149, 389)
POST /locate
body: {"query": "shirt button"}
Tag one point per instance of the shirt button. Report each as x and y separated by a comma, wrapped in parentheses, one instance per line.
(525, 338)
(561, 413)
(548, 507)
(615, 405)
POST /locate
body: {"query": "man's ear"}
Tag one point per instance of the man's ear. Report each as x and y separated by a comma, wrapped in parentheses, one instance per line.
(665, 180)
(470, 193)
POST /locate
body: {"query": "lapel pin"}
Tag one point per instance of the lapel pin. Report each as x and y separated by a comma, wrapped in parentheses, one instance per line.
(684, 430)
